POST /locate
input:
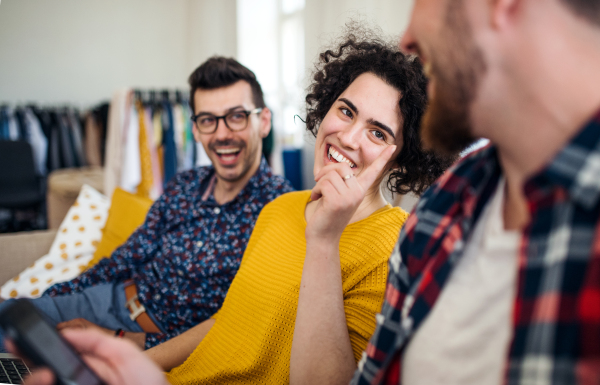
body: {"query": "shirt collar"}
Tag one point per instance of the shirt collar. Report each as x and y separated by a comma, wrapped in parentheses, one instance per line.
(576, 167)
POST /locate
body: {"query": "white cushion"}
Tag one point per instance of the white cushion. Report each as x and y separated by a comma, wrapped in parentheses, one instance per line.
(72, 249)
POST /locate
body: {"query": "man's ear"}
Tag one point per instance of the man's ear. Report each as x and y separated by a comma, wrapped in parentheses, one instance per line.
(195, 132)
(265, 122)
(503, 12)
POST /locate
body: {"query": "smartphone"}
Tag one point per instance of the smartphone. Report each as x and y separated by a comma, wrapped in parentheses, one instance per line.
(39, 342)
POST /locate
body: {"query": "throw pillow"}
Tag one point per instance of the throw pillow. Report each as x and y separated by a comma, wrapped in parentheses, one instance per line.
(72, 249)
(127, 212)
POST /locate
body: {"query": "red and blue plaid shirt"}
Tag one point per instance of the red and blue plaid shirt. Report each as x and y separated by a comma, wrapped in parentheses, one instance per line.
(556, 313)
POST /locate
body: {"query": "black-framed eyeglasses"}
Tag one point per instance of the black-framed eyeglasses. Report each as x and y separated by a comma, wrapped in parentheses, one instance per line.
(235, 120)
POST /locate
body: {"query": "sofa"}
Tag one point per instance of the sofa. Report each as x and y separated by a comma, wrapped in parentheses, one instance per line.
(19, 250)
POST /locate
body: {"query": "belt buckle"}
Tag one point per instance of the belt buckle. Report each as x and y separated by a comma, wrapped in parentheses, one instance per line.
(134, 309)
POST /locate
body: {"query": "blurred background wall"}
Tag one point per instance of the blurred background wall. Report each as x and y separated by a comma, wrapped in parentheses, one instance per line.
(72, 51)
(78, 53)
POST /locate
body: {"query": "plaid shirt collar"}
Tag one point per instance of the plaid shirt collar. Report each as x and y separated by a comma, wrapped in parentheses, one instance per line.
(576, 168)
(434, 237)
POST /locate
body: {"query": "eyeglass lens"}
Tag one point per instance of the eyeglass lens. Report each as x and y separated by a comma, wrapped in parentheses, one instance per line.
(235, 120)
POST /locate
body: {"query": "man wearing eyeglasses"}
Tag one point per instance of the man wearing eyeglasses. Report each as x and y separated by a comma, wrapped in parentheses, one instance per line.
(174, 271)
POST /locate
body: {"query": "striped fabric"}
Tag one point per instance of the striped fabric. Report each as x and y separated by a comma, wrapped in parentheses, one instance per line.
(556, 314)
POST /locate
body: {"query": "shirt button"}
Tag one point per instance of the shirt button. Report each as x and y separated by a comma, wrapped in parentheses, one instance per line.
(180, 273)
(157, 297)
(199, 243)
(217, 210)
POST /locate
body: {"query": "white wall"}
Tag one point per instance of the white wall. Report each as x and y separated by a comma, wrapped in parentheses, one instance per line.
(212, 31)
(325, 19)
(79, 52)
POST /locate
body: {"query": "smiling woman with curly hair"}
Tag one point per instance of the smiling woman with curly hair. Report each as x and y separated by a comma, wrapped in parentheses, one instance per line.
(302, 306)
(363, 52)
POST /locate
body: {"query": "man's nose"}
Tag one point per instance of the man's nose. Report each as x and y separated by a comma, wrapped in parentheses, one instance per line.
(407, 43)
(222, 131)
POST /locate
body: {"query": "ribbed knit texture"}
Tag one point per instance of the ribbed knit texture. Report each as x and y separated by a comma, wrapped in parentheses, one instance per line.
(251, 340)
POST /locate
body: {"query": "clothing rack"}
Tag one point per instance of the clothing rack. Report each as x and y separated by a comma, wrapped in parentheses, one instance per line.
(149, 140)
(55, 134)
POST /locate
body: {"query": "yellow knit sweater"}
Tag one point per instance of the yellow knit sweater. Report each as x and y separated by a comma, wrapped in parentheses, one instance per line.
(251, 340)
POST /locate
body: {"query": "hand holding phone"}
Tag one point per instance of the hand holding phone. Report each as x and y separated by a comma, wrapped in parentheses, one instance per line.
(115, 361)
(41, 344)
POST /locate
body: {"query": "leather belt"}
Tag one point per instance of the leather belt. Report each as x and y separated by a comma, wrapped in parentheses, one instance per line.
(137, 310)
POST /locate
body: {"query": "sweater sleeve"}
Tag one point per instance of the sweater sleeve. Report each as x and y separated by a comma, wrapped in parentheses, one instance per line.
(139, 248)
(361, 304)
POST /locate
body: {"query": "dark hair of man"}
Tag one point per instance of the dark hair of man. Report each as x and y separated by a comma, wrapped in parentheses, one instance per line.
(219, 72)
(587, 9)
(363, 51)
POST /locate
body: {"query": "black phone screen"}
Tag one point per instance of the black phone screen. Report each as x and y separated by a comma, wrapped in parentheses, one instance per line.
(42, 344)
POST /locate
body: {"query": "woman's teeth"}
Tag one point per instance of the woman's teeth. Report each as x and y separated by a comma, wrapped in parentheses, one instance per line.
(339, 157)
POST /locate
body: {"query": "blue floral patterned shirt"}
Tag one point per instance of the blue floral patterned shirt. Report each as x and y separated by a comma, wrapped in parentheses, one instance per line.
(185, 255)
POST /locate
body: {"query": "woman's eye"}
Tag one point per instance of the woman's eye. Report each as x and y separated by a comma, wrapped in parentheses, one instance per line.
(346, 112)
(378, 134)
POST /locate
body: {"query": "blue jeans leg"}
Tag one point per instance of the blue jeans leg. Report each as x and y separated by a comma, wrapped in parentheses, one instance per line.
(103, 305)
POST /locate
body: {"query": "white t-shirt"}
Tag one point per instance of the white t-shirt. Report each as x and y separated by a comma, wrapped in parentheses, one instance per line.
(464, 340)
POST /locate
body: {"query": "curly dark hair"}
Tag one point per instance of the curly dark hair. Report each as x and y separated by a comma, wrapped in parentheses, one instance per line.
(356, 55)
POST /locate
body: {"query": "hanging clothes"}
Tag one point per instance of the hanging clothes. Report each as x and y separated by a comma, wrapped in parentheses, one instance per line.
(170, 148)
(38, 141)
(157, 188)
(76, 137)
(131, 174)
(156, 141)
(144, 188)
(117, 120)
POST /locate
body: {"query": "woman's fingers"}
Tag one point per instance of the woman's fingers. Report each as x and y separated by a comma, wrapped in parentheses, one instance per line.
(341, 168)
(332, 178)
(369, 175)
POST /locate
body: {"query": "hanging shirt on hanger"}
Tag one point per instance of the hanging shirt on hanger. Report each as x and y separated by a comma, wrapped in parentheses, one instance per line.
(170, 149)
(157, 189)
(37, 140)
(117, 120)
(146, 181)
(131, 174)
(13, 127)
(72, 117)
(179, 134)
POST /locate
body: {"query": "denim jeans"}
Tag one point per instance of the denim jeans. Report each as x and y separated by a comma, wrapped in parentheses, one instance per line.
(103, 305)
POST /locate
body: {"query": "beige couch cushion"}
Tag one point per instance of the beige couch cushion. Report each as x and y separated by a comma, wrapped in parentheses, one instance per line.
(19, 250)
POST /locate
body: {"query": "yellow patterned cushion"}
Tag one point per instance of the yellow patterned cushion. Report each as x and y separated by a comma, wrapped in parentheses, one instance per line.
(127, 212)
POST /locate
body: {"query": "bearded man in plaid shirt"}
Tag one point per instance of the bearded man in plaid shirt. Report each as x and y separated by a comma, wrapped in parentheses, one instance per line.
(496, 276)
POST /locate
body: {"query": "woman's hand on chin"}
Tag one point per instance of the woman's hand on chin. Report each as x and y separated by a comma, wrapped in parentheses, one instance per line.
(338, 194)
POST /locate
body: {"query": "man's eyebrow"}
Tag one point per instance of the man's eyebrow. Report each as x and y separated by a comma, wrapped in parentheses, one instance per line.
(370, 121)
(226, 111)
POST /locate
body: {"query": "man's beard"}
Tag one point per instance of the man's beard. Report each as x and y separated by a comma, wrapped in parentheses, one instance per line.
(446, 124)
(246, 162)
